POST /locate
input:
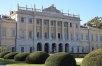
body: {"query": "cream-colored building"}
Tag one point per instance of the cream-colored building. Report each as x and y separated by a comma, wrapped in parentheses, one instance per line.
(7, 32)
(51, 30)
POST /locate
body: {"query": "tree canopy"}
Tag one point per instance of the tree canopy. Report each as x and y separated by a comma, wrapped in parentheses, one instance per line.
(95, 22)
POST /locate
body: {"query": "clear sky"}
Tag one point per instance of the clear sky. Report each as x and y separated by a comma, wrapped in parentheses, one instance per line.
(87, 9)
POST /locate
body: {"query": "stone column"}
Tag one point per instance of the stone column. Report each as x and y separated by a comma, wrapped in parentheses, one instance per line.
(35, 35)
(50, 48)
(63, 38)
(56, 32)
(43, 46)
(26, 28)
(18, 21)
(63, 47)
(42, 29)
(49, 29)
(57, 47)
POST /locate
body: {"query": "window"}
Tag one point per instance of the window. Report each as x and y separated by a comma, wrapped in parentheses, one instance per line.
(100, 38)
(59, 23)
(76, 25)
(31, 49)
(65, 24)
(30, 34)
(53, 23)
(22, 49)
(38, 21)
(45, 23)
(13, 49)
(82, 49)
(78, 49)
(91, 37)
(30, 20)
(96, 37)
(52, 35)
(3, 31)
(81, 36)
(86, 36)
(59, 36)
(65, 35)
(46, 35)
(72, 49)
(22, 19)
(70, 24)
(71, 36)
(13, 33)
(22, 34)
(38, 34)
(76, 36)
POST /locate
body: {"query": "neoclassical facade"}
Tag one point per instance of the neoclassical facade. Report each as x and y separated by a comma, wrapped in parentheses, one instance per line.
(51, 30)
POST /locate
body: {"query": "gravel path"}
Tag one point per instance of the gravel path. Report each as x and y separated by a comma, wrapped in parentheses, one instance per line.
(2, 65)
(79, 59)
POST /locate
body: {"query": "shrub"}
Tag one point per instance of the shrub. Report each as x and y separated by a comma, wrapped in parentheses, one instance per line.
(10, 55)
(37, 57)
(78, 55)
(21, 56)
(94, 58)
(60, 59)
(3, 54)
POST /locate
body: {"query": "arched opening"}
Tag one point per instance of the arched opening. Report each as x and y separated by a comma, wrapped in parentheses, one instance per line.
(46, 47)
(66, 47)
(53, 47)
(60, 47)
(39, 47)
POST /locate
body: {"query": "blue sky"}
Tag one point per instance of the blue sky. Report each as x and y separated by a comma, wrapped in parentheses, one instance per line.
(87, 9)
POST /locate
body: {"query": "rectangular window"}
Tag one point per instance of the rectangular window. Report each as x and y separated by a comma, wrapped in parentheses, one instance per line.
(53, 23)
(30, 34)
(70, 24)
(38, 35)
(65, 35)
(13, 33)
(31, 49)
(45, 23)
(86, 36)
(22, 19)
(78, 49)
(65, 24)
(96, 37)
(3, 32)
(91, 37)
(52, 35)
(13, 49)
(46, 35)
(76, 36)
(22, 34)
(100, 38)
(76, 25)
(81, 36)
(22, 49)
(71, 36)
(30, 20)
(59, 36)
(59, 23)
(38, 21)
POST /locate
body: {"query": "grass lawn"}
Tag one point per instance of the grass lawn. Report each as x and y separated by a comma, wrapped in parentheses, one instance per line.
(19, 63)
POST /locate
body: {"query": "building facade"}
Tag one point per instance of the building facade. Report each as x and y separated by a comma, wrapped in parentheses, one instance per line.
(51, 30)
